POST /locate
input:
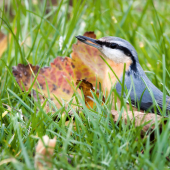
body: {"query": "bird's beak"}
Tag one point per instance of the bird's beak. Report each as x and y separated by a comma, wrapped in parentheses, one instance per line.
(89, 41)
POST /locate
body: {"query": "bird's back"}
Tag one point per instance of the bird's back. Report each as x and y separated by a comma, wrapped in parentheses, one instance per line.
(142, 90)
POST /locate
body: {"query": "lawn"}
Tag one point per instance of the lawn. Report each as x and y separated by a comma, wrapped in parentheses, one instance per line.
(37, 32)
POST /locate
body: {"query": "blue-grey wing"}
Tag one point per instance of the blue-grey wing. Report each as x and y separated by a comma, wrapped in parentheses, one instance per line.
(141, 91)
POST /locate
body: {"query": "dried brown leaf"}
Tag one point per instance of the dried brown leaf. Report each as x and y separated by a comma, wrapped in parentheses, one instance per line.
(44, 153)
(3, 43)
(63, 71)
(140, 119)
(87, 87)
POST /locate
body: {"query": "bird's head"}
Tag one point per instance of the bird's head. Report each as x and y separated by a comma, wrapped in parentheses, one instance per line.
(117, 53)
(113, 48)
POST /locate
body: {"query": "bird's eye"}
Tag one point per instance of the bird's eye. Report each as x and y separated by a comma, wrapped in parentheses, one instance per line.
(128, 54)
(113, 45)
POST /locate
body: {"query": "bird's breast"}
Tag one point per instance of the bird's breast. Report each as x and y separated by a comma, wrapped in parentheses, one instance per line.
(109, 78)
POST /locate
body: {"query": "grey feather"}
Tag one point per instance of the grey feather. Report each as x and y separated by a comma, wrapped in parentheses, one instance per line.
(142, 88)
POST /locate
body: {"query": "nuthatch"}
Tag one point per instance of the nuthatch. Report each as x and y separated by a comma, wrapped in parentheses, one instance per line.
(117, 52)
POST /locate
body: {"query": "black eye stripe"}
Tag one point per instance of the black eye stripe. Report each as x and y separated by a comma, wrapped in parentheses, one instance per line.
(116, 46)
(125, 50)
(113, 45)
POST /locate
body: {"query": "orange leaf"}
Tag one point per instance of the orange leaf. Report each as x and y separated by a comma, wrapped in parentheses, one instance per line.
(87, 62)
(54, 76)
(44, 153)
(87, 87)
(147, 120)
(81, 66)
(3, 43)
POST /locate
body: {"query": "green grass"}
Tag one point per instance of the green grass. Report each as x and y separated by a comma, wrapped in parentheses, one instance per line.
(97, 142)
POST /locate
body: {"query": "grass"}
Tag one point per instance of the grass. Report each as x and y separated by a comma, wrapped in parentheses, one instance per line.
(41, 32)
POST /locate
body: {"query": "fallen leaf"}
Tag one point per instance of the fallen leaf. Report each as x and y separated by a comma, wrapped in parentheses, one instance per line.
(87, 87)
(55, 78)
(87, 59)
(146, 120)
(3, 43)
(43, 153)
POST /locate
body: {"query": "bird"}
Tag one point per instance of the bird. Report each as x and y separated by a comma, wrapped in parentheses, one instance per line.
(143, 93)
